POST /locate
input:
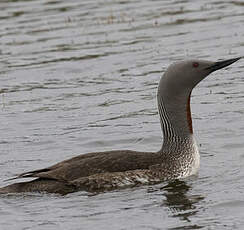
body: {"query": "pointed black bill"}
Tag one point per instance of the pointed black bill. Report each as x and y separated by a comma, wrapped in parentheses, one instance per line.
(222, 64)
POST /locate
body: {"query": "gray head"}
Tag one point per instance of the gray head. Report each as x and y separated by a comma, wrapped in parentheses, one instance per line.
(187, 74)
(174, 93)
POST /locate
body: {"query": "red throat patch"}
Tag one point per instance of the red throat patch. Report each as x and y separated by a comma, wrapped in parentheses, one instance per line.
(188, 114)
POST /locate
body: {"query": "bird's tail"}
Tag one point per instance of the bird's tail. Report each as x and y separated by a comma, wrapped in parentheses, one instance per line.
(39, 185)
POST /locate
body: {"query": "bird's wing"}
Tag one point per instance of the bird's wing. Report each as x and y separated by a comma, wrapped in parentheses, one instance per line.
(107, 181)
(94, 163)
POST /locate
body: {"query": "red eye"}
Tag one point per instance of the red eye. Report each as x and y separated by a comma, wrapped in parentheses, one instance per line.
(195, 64)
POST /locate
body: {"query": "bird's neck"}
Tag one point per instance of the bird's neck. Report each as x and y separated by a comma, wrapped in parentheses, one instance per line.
(175, 116)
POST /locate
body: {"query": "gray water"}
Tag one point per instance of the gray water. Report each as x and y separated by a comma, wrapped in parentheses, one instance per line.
(81, 76)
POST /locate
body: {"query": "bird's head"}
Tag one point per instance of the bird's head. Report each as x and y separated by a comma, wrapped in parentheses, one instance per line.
(187, 74)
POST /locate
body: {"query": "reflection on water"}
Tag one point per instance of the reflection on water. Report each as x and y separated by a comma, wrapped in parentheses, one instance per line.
(181, 204)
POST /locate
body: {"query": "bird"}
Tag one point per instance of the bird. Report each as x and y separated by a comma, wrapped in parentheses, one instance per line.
(177, 158)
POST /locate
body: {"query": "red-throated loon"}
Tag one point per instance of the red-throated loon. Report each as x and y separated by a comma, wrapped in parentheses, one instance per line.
(178, 157)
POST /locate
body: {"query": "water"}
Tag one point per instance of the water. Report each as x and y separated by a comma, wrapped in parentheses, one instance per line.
(81, 76)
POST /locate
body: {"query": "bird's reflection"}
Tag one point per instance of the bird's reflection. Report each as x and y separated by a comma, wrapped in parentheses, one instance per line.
(181, 203)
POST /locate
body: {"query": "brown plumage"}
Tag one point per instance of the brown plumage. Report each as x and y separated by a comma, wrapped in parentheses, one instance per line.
(59, 177)
(178, 157)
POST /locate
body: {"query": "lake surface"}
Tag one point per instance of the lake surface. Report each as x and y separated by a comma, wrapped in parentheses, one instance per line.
(81, 76)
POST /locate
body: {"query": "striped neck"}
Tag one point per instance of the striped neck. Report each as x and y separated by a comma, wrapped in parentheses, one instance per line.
(175, 117)
(176, 122)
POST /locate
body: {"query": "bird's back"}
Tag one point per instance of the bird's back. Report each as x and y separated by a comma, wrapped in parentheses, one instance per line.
(96, 170)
